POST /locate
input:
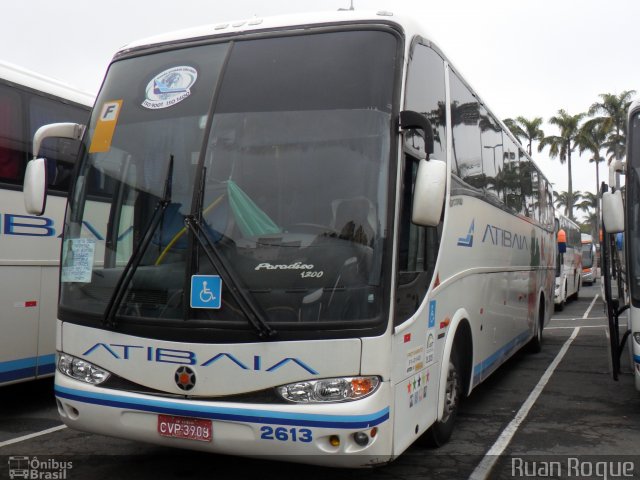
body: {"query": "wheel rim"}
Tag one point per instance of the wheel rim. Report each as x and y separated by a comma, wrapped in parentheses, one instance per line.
(451, 394)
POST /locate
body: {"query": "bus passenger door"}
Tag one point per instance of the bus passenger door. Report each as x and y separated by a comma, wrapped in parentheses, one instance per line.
(415, 361)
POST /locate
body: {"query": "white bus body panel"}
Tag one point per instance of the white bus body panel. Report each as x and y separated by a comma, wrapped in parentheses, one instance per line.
(29, 260)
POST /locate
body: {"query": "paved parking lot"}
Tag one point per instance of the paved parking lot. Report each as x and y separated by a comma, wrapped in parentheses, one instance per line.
(556, 414)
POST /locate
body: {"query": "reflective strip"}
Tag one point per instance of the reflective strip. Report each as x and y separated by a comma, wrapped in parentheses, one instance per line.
(268, 417)
(26, 368)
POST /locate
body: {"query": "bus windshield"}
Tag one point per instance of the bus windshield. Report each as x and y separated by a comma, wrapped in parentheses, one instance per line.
(587, 255)
(276, 154)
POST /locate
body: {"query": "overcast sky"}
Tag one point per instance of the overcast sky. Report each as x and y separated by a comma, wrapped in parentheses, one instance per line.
(524, 57)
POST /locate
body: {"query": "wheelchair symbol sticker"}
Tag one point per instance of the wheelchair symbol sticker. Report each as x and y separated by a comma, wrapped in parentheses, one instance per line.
(206, 291)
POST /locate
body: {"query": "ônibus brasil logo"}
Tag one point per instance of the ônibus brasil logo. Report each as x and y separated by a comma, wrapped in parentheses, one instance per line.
(169, 87)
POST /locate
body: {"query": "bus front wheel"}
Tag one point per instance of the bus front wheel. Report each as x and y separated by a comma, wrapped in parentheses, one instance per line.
(440, 432)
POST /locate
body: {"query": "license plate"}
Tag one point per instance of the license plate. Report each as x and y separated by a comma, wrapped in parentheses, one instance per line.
(185, 427)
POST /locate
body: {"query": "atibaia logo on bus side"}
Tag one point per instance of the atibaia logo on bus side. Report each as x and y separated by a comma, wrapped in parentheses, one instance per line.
(495, 236)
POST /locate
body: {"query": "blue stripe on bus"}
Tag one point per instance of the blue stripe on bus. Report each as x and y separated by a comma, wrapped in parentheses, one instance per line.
(501, 353)
(636, 358)
(26, 368)
(225, 413)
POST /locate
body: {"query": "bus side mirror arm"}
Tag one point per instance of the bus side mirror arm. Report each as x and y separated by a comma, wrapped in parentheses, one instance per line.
(413, 120)
(35, 176)
(74, 131)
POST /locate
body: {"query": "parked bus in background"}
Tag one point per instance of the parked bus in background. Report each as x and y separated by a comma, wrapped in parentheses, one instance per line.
(590, 269)
(29, 245)
(620, 251)
(568, 261)
(317, 239)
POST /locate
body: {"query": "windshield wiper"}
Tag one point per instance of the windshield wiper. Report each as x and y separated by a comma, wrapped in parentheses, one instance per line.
(244, 300)
(134, 261)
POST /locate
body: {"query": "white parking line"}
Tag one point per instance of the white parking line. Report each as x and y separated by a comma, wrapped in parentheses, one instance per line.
(32, 435)
(586, 314)
(483, 469)
(571, 328)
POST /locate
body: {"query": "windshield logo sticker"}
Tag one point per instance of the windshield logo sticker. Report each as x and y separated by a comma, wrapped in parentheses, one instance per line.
(169, 87)
(77, 260)
(206, 291)
(105, 127)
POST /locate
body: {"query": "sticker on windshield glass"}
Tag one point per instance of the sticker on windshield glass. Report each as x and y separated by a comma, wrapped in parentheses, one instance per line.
(170, 87)
(105, 126)
(206, 291)
(77, 260)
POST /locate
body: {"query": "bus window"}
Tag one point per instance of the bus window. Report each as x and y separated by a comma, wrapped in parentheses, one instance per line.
(12, 145)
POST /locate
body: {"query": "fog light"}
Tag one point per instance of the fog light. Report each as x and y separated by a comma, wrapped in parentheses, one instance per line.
(361, 438)
(334, 440)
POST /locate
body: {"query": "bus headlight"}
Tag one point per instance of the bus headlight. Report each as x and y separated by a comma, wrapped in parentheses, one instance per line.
(329, 390)
(636, 337)
(81, 370)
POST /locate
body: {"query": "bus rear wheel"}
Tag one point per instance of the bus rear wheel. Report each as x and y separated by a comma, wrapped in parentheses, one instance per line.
(535, 344)
(440, 432)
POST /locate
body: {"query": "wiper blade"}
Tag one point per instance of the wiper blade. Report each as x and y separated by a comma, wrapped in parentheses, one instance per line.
(136, 257)
(243, 300)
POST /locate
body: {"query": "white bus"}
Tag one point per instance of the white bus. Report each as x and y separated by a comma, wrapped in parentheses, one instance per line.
(568, 261)
(621, 250)
(29, 245)
(316, 241)
(590, 266)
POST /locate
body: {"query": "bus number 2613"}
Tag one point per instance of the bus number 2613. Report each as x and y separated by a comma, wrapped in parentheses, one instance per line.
(285, 434)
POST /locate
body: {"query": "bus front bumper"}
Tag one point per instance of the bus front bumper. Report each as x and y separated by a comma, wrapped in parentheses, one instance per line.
(323, 434)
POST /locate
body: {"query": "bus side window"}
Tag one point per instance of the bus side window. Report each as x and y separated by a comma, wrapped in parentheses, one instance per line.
(12, 147)
(418, 246)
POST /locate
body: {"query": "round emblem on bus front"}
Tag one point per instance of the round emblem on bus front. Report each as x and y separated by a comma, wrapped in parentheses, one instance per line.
(185, 378)
(169, 87)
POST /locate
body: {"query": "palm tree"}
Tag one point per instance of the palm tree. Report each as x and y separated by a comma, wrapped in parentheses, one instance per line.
(561, 199)
(561, 146)
(588, 201)
(523, 128)
(592, 138)
(613, 109)
(591, 224)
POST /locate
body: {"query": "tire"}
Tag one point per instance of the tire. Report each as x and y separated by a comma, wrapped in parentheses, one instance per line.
(577, 294)
(440, 432)
(535, 344)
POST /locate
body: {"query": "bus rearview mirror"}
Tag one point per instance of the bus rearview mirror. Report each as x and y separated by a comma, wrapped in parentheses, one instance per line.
(35, 186)
(429, 191)
(613, 212)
